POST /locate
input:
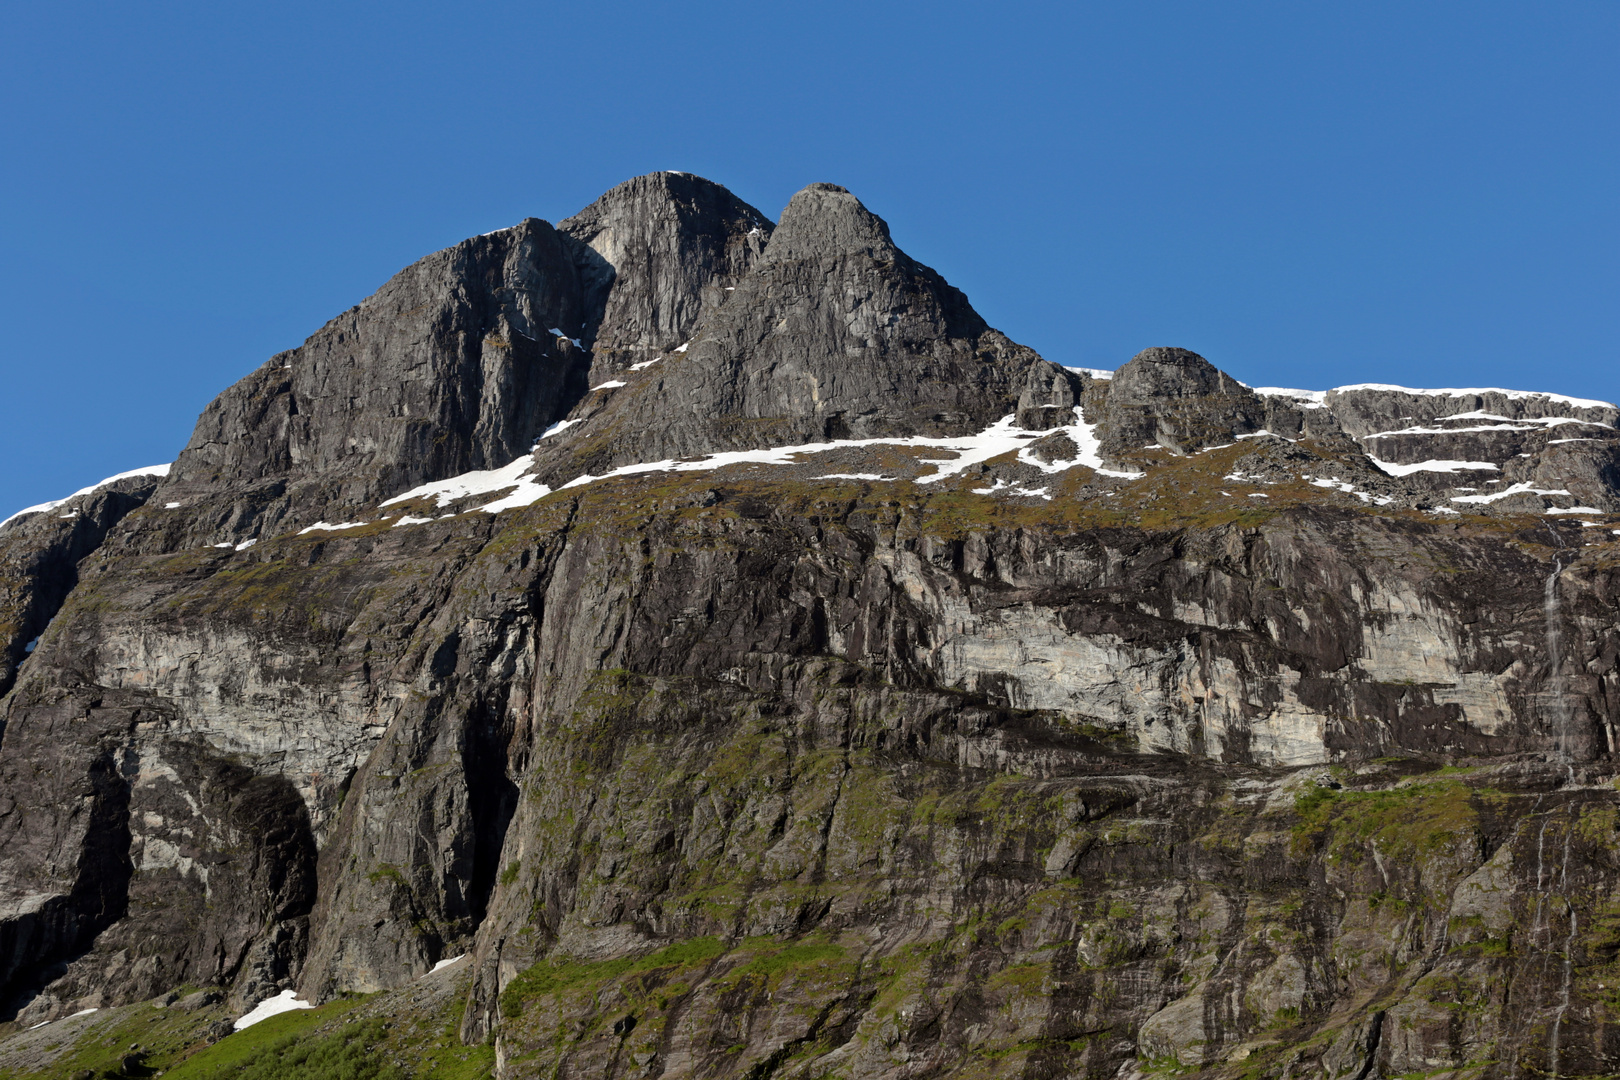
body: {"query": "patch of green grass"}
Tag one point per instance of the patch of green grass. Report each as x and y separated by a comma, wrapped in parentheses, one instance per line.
(775, 962)
(1404, 822)
(563, 974)
(350, 1053)
(240, 1050)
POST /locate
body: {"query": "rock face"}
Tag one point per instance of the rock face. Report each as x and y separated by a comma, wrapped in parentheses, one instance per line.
(1177, 399)
(661, 250)
(834, 334)
(1032, 722)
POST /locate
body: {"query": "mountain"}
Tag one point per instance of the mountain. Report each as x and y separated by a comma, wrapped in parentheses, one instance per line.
(668, 643)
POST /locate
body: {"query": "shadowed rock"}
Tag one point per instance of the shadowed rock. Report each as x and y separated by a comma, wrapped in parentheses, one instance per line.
(657, 252)
(835, 333)
(1179, 400)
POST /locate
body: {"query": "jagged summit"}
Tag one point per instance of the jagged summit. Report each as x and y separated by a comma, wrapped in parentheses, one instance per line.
(832, 334)
(669, 646)
(661, 249)
(671, 320)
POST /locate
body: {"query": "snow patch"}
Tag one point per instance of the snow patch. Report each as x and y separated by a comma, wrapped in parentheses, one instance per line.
(286, 1001)
(1436, 465)
(1012, 489)
(1574, 510)
(1096, 373)
(323, 527)
(171, 506)
(645, 363)
(149, 470)
(1309, 399)
(555, 429)
(442, 964)
(1515, 489)
(609, 385)
(1511, 395)
(480, 482)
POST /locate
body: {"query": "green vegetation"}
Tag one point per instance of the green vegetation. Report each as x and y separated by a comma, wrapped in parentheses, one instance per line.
(563, 974)
(1416, 818)
(350, 1053)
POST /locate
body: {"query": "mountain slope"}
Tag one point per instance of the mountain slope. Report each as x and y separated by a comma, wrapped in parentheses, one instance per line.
(849, 692)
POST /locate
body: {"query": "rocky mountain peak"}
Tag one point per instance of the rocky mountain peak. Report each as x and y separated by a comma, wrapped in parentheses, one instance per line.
(833, 334)
(1175, 398)
(657, 251)
(826, 220)
(836, 688)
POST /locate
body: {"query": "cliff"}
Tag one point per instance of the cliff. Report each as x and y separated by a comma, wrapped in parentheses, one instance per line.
(740, 660)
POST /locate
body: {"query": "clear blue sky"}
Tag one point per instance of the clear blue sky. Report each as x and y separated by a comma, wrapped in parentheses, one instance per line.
(1308, 194)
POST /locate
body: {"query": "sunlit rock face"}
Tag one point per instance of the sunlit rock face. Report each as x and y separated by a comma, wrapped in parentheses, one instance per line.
(741, 660)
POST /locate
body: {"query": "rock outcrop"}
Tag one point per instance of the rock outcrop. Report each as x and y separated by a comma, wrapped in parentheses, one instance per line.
(1021, 721)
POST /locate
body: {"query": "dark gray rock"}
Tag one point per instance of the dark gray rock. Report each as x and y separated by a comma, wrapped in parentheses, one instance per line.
(39, 561)
(1177, 399)
(658, 251)
(449, 367)
(1041, 785)
(834, 334)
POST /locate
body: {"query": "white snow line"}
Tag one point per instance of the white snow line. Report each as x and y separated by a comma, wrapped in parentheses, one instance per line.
(171, 506)
(683, 348)
(999, 438)
(149, 470)
(1310, 399)
(609, 385)
(1264, 434)
(1096, 373)
(645, 364)
(70, 1016)
(1574, 510)
(1436, 465)
(408, 520)
(1450, 431)
(1012, 489)
(244, 545)
(1511, 395)
(324, 527)
(442, 964)
(1515, 489)
(286, 1001)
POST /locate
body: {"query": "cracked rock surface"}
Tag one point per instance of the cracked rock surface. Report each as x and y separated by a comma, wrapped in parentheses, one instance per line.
(1159, 725)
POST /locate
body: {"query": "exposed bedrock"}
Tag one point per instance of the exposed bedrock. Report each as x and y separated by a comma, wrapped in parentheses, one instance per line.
(1171, 735)
(1177, 399)
(834, 333)
(661, 250)
(39, 561)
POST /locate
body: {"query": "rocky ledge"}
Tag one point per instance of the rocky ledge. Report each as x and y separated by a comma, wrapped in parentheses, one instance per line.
(669, 643)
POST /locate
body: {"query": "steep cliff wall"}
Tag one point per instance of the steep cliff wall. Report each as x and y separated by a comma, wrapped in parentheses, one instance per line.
(1022, 721)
